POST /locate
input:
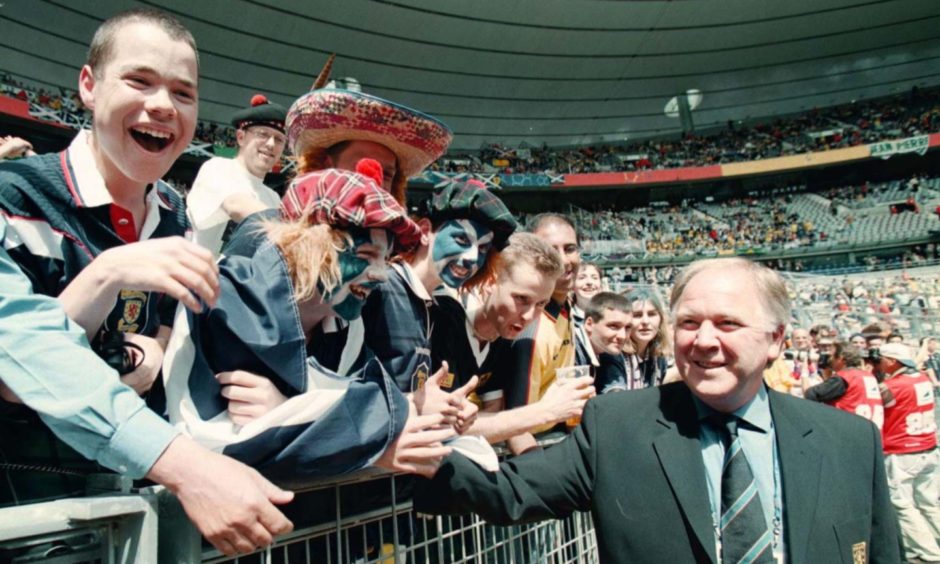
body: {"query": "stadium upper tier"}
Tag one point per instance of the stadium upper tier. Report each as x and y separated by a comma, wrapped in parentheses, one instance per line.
(870, 214)
(909, 116)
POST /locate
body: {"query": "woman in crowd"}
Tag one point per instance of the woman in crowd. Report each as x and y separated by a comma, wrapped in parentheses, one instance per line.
(647, 353)
(239, 377)
(586, 286)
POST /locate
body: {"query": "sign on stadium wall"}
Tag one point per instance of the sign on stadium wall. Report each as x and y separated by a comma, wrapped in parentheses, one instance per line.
(493, 181)
(887, 149)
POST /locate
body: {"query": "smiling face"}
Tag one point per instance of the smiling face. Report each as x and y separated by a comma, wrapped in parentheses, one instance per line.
(587, 284)
(801, 340)
(362, 267)
(459, 250)
(145, 101)
(562, 238)
(517, 298)
(724, 337)
(609, 333)
(259, 148)
(646, 321)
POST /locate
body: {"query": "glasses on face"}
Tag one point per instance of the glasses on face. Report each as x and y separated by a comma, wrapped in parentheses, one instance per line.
(265, 135)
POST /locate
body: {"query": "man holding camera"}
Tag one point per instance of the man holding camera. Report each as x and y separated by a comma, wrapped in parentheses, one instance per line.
(847, 385)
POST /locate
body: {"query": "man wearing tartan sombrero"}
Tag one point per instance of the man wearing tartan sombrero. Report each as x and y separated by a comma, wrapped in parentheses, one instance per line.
(334, 128)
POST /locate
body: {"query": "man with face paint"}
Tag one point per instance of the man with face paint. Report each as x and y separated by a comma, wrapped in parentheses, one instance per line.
(463, 226)
(336, 128)
(248, 357)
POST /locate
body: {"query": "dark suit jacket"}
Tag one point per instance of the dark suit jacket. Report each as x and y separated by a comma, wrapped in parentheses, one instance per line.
(636, 463)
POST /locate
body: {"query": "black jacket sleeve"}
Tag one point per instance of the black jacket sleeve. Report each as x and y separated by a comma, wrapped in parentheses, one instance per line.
(542, 484)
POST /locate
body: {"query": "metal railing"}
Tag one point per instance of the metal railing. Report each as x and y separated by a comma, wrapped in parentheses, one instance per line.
(119, 529)
(361, 518)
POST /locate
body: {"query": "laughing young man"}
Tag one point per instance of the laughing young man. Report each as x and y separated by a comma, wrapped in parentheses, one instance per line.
(91, 225)
(88, 225)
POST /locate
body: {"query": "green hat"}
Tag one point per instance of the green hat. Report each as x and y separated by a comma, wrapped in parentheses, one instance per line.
(471, 200)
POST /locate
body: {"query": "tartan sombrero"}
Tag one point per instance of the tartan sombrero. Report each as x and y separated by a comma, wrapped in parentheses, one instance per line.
(324, 117)
(344, 199)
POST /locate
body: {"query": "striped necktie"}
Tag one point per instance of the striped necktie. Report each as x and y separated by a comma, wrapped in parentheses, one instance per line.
(745, 538)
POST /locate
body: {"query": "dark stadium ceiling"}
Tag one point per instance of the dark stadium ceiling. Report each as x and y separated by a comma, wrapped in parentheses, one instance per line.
(540, 71)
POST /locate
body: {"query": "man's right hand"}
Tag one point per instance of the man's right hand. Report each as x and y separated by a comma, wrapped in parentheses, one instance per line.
(232, 505)
(170, 265)
(566, 398)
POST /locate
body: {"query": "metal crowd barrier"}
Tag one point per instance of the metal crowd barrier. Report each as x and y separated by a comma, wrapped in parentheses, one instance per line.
(362, 518)
(118, 529)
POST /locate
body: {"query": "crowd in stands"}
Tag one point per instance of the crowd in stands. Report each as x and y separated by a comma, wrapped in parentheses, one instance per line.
(331, 332)
(59, 100)
(915, 113)
(795, 219)
(910, 303)
(67, 106)
(821, 129)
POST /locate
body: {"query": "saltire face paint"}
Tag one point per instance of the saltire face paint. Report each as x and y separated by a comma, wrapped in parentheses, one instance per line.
(362, 267)
(460, 249)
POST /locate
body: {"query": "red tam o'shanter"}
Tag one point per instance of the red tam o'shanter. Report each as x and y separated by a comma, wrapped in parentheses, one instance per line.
(371, 168)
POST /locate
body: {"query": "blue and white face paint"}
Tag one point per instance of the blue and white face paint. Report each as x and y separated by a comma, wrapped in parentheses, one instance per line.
(362, 266)
(460, 249)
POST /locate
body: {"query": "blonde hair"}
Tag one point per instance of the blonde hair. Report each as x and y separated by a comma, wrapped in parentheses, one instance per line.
(522, 248)
(319, 158)
(311, 253)
(770, 286)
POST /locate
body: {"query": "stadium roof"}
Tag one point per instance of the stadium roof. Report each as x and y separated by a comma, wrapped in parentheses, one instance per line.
(540, 71)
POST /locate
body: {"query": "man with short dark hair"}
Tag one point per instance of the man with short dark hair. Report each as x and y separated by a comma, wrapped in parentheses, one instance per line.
(92, 225)
(229, 190)
(607, 320)
(733, 472)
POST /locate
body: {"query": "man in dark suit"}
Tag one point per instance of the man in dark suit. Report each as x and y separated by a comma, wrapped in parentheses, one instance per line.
(713, 469)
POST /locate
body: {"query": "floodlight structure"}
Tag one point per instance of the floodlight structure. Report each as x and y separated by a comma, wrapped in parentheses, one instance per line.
(681, 106)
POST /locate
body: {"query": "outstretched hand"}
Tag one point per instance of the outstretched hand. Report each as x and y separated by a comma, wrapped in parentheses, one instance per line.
(232, 505)
(419, 449)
